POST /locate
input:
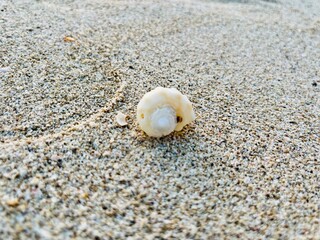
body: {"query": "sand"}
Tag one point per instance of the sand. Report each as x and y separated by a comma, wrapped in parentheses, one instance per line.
(247, 168)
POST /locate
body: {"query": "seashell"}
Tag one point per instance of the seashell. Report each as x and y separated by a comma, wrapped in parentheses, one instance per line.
(164, 110)
(121, 119)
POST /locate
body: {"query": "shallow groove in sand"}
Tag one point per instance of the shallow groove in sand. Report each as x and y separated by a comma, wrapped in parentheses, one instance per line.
(71, 127)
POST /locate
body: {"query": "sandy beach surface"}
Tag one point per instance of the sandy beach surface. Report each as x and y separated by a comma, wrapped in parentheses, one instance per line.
(248, 166)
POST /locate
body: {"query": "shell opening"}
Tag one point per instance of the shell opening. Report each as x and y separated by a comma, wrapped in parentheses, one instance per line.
(163, 120)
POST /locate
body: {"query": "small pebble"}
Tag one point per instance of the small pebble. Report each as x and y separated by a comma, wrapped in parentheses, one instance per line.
(68, 39)
(13, 202)
(5, 69)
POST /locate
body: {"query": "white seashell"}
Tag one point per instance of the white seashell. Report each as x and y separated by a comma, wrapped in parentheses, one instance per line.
(121, 119)
(164, 110)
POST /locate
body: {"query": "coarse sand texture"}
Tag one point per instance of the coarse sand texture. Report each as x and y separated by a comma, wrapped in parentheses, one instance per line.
(74, 163)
